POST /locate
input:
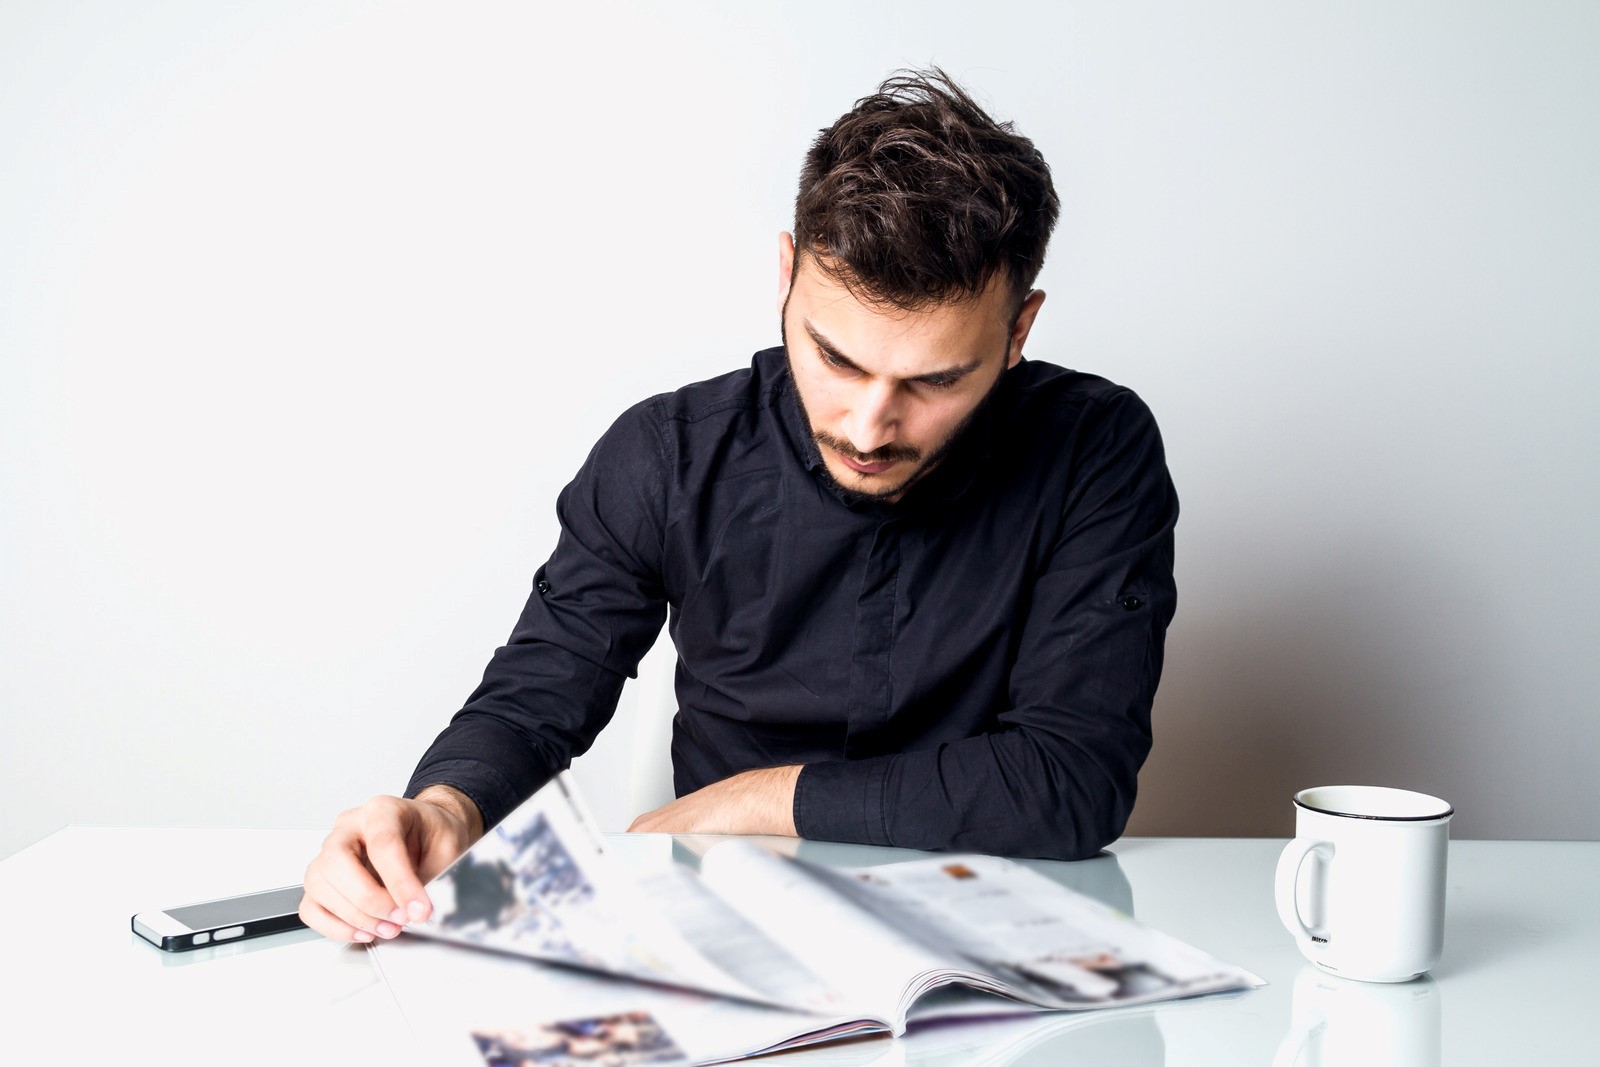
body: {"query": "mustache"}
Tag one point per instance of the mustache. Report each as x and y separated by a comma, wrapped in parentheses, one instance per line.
(879, 455)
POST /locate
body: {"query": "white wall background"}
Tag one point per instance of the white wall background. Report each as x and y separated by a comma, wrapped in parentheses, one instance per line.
(308, 310)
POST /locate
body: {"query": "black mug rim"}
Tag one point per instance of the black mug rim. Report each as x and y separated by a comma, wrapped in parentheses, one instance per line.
(1448, 811)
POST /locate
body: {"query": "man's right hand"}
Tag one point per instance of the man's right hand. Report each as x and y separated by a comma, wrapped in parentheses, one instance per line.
(367, 880)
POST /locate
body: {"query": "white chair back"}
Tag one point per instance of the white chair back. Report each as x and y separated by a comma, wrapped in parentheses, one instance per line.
(628, 771)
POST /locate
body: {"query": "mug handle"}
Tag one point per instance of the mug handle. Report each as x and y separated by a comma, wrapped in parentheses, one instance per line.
(1290, 864)
(1293, 1045)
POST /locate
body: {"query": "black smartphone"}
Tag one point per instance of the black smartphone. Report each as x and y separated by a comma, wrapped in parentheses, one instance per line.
(215, 922)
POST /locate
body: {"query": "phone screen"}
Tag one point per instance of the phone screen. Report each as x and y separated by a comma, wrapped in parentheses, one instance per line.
(234, 910)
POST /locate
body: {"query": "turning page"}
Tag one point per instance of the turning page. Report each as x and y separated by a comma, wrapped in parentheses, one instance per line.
(539, 885)
(733, 943)
(871, 963)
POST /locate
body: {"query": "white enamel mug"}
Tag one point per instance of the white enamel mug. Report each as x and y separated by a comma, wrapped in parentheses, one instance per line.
(1361, 886)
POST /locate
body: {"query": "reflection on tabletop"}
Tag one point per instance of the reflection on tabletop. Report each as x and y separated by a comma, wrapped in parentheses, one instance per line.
(1340, 1022)
(230, 949)
(1128, 1037)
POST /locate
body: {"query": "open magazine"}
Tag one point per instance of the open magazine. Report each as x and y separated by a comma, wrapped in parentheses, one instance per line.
(755, 952)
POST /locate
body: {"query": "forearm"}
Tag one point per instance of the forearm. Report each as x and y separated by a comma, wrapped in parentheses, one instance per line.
(1009, 793)
(488, 763)
(762, 801)
(522, 726)
(1057, 775)
(753, 802)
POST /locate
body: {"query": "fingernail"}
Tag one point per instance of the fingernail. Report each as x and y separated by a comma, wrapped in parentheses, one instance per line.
(387, 929)
(397, 916)
(417, 910)
(362, 935)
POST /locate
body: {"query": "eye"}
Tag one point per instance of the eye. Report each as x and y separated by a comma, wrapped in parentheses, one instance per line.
(834, 364)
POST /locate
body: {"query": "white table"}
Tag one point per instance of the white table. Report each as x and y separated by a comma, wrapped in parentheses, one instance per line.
(1516, 985)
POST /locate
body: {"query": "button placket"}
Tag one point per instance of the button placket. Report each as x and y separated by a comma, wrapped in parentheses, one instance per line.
(870, 685)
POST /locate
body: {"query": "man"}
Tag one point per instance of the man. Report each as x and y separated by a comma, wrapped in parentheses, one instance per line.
(918, 586)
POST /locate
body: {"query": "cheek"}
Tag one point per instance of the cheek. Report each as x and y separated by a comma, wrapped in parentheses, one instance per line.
(826, 401)
(936, 420)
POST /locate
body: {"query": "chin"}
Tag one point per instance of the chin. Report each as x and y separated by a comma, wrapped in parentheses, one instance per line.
(871, 486)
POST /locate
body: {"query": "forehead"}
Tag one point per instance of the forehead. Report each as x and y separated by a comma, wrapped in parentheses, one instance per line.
(891, 341)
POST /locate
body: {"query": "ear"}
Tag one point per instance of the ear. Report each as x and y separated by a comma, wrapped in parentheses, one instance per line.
(785, 267)
(1019, 333)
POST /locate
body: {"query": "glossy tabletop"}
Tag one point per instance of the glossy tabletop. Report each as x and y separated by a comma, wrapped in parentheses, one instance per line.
(1516, 984)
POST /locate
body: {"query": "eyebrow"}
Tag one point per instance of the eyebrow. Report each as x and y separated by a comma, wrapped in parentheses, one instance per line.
(938, 377)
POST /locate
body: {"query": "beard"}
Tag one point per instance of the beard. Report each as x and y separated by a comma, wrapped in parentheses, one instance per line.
(924, 467)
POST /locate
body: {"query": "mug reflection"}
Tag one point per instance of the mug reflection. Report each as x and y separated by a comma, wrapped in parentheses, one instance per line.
(1340, 1022)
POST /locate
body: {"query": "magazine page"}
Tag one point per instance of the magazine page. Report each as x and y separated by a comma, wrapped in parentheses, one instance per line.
(1041, 941)
(484, 1009)
(731, 942)
(540, 885)
(872, 964)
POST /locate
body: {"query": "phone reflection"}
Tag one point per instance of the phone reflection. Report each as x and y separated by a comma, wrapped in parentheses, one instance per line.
(227, 949)
(1340, 1022)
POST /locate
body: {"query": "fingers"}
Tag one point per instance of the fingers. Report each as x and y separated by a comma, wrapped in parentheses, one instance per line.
(347, 888)
(344, 886)
(328, 924)
(391, 859)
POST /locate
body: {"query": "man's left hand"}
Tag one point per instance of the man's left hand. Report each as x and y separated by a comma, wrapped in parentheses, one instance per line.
(753, 802)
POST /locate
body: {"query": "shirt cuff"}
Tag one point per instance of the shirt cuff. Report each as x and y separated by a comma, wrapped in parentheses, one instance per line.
(482, 784)
(842, 800)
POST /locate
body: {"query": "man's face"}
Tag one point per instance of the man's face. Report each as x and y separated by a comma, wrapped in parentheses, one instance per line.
(885, 391)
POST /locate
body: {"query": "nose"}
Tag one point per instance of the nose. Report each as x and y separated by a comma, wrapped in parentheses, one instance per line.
(874, 419)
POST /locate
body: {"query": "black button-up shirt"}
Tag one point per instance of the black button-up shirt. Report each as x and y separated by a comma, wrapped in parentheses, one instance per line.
(970, 668)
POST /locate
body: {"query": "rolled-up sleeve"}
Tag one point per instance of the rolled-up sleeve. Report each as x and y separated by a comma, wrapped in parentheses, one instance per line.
(1057, 776)
(596, 606)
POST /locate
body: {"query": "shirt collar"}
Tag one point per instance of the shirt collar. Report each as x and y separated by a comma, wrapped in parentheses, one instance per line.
(793, 420)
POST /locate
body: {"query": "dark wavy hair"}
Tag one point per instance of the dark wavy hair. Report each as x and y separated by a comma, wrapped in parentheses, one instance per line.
(916, 197)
